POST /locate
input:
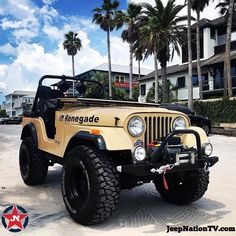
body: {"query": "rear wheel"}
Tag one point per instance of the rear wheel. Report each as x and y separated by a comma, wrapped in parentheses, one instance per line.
(90, 185)
(184, 187)
(33, 164)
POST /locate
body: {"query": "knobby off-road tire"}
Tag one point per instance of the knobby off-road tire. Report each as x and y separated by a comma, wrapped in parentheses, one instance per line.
(90, 185)
(184, 187)
(33, 164)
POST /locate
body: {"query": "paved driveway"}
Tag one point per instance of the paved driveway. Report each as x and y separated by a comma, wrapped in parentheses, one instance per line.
(140, 212)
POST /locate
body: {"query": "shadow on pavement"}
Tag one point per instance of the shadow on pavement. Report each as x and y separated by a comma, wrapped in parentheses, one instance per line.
(138, 207)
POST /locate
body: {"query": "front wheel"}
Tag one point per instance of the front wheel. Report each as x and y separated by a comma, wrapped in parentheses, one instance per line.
(90, 185)
(184, 187)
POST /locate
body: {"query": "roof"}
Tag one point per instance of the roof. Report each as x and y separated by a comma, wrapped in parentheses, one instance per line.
(170, 70)
(210, 23)
(122, 69)
(219, 58)
(22, 92)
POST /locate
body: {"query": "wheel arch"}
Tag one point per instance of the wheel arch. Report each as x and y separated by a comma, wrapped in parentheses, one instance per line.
(29, 130)
(85, 138)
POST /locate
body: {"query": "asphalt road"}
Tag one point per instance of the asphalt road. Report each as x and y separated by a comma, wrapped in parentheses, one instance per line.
(141, 211)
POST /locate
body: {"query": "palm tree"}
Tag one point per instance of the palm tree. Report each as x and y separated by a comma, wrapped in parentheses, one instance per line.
(171, 35)
(72, 44)
(198, 6)
(149, 37)
(227, 8)
(190, 65)
(161, 34)
(130, 35)
(108, 17)
(138, 54)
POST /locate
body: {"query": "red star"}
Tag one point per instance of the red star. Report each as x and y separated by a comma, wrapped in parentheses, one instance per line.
(15, 218)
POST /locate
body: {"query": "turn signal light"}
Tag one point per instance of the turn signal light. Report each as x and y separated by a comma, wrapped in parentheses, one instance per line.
(95, 131)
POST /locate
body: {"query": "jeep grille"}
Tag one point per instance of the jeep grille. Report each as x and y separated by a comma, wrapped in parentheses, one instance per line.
(156, 128)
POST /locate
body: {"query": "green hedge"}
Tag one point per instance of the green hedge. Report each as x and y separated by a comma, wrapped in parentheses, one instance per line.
(220, 111)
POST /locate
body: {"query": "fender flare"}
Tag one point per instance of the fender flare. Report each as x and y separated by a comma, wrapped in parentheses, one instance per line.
(29, 130)
(85, 137)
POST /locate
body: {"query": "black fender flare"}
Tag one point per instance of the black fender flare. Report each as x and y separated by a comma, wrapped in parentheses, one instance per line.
(84, 137)
(29, 130)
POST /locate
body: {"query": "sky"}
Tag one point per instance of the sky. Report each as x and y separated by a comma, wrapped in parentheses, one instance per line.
(32, 32)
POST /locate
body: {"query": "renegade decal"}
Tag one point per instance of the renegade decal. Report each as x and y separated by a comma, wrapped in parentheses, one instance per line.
(79, 119)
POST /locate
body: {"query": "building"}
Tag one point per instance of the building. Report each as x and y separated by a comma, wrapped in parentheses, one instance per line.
(120, 75)
(212, 44)
(23, 104)
(18, 101)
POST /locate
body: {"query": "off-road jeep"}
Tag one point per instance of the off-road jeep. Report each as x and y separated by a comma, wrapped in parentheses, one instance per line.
(106, 145)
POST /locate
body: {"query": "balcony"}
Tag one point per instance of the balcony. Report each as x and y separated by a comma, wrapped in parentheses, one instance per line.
(221, 48)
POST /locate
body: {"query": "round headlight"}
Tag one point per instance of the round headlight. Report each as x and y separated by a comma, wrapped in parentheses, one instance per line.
(179, 123)
(139, 153)
(207, 149)
(136, 126)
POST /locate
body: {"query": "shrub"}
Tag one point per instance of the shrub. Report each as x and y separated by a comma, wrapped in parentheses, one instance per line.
(219, 111)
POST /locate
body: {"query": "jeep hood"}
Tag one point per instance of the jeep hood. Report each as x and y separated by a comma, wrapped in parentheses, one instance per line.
(106, 116)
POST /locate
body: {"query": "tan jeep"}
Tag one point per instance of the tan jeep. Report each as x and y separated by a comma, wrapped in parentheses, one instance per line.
(109, 145)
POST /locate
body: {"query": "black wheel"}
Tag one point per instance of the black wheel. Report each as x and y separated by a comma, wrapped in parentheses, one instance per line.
(206, 128)
(90, 185)
(184, 187)
(33, 164)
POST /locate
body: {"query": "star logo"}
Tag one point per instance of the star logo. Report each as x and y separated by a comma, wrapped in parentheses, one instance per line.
(15, 218)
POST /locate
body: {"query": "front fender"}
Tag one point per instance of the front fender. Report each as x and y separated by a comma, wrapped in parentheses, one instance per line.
(190, 140)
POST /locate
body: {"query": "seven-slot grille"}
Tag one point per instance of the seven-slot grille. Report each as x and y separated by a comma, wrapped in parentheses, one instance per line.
(156, 127)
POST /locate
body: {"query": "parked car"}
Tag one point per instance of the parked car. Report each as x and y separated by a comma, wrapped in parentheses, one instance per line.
(11, 121)
(2, 120)
(196, 119)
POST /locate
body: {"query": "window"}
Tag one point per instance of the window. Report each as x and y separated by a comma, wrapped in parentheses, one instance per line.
(195, 80)
(117, 78)
(181, 82)
(143, 89)
(212, 33)
(122, 79)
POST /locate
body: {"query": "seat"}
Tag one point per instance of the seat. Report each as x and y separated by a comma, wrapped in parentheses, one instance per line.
(48, 105)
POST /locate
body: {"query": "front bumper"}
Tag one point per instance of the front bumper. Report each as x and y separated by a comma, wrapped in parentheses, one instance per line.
(183, 161)
(145, 169)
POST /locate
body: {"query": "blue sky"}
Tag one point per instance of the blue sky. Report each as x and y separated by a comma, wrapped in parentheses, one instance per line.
(32, 32)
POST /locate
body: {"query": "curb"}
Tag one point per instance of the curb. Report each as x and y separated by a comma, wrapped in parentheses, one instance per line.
(224, 131)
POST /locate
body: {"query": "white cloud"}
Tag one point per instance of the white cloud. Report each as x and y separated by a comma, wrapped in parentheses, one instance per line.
(20, 9)
(53, 32)
(48, 2)
(32, 62)
(8, 49)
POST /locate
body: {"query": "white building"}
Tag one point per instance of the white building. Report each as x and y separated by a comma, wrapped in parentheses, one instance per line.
(17, 101)
(212, 44)
(120, 74)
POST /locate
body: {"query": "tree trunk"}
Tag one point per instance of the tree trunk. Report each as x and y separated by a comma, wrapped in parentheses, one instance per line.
(227, 64)
(164, 85)
(130, 71)
(190, 84)
(139, 70)
(109, 62)
(73, 73)
(156, 75)
(199, 73)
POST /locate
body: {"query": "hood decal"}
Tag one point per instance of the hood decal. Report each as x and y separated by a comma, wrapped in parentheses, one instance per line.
(79, 119)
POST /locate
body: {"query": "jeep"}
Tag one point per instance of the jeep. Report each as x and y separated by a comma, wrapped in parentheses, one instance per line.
(106, 145)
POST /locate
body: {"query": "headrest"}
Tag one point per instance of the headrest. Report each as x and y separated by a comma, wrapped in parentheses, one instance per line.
(43, 91)
(63, 86)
